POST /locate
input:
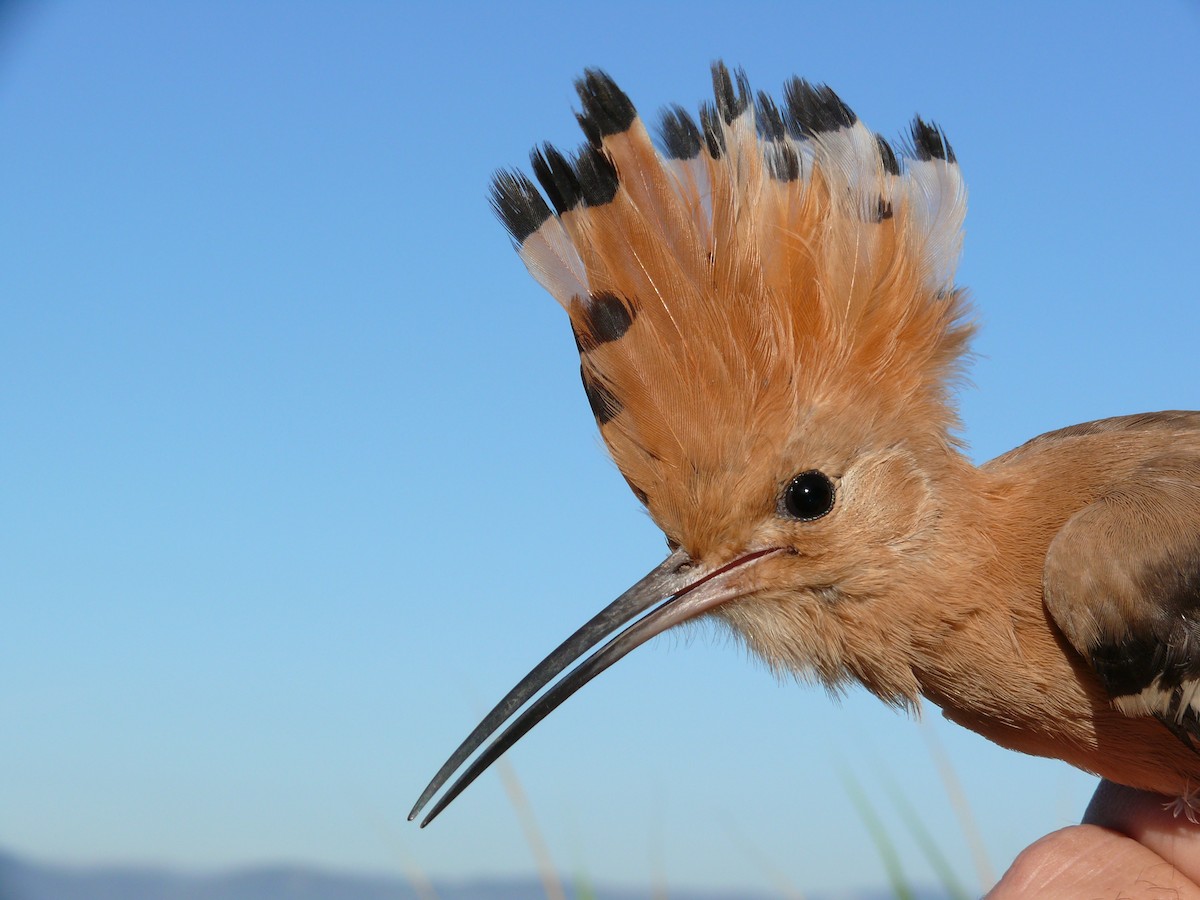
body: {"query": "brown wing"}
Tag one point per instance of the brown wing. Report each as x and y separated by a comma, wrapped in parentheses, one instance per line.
(1122, 582)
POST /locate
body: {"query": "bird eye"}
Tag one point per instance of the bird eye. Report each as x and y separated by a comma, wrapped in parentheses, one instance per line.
(809, 496)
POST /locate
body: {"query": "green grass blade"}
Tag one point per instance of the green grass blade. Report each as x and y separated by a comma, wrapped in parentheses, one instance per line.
(925, 841)
(583, 887)
(960, 804)
(551, 883)
(879, 836)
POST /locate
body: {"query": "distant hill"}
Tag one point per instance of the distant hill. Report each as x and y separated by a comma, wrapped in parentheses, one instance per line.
(24, 880)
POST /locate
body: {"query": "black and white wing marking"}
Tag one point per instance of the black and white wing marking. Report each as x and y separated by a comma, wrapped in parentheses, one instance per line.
(1122, 582)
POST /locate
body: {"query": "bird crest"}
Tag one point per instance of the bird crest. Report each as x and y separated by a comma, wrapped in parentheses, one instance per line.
(734, 285)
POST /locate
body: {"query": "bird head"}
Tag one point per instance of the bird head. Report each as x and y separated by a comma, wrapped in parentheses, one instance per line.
(768, 328)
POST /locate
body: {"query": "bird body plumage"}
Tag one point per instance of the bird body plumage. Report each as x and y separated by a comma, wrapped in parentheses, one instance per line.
(769, 333)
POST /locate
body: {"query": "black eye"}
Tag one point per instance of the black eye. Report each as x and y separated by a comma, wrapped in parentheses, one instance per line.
(809, 496)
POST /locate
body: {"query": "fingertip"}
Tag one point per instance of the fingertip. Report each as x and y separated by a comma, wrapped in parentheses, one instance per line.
(1059, 863)
(1149, 820)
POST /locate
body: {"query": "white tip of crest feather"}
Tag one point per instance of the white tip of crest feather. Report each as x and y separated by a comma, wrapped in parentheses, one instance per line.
(850, 158)
(936, 196)
(937, 201)
(553, 261)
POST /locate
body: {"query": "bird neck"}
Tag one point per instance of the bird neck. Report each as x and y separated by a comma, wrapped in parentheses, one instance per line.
(975, 647)
(905, 628)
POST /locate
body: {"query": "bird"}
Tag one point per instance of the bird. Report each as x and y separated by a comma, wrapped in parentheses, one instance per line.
(771, 339)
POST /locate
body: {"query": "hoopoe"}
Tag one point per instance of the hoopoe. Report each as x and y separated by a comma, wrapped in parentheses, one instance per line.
(769, 331)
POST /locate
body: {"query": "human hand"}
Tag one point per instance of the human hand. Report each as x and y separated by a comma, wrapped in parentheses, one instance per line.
(1129, 847)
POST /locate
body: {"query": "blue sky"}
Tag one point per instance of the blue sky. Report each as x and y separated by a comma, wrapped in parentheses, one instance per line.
(299, 478)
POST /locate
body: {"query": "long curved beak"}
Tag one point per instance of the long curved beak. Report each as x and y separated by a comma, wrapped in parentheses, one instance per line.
(678, 588)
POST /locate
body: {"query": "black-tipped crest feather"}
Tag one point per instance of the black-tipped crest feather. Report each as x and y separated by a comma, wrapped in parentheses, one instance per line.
(518, 204)
(929, 141)
(730, 102)
(605, 105)
(680, 135)
(768, 119)
(815, 108)
(597, 176)
(557, 177)
(887, 156)
(714, 132)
